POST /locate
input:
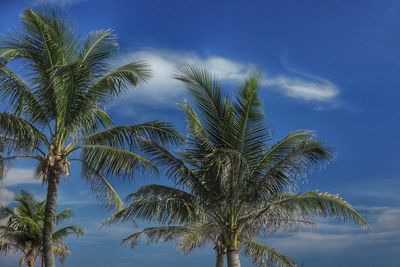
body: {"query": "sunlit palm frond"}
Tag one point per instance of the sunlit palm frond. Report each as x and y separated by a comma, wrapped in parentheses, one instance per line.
(67, 231)
(113, 162)
(132, 136)
(61, 251)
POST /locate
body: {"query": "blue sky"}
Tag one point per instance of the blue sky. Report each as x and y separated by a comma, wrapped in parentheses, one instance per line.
(330, 66)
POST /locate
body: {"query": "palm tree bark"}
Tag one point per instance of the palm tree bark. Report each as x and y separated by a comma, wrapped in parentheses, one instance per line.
(220, 260)
(31, 263)
(233, 258)
(49, 221)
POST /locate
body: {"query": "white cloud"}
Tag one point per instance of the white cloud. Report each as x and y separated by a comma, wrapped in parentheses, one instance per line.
(6, 196)
(164, 90)
(13, 177)
(326, 237)
(317, 90)
(17, 176)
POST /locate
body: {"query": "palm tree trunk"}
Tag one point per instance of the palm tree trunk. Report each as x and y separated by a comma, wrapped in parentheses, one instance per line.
(31, 263)
(233, 258)
(220, 260)
(49, 220)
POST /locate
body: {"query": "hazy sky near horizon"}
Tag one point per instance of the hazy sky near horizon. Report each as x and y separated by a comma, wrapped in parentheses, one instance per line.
(329, 66)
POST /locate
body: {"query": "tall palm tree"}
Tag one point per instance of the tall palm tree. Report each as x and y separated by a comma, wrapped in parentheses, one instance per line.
(55, 114)
(22, 230)
(230, 176)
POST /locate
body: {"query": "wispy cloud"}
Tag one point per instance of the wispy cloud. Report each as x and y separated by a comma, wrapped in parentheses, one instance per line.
(306, 89)
(302, 85)
(6, 196)
(79, 199)
(165, 91)
(162, 88)
(326, 236)
(17, 176)
(13, 177)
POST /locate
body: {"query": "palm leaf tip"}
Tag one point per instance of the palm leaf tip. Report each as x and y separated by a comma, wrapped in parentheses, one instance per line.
(323, 204)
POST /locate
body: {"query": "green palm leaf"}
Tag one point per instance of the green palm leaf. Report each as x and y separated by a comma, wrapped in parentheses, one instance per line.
(321, 204)
(114, 161)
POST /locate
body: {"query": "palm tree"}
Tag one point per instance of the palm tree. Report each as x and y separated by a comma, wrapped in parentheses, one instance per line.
(22, 230)
(228, 175)
(197, 235)
(56, 114)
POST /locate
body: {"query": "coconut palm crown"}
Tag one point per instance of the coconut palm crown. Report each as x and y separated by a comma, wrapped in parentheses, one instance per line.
(23, 226)
(54, 110)
(231, 184)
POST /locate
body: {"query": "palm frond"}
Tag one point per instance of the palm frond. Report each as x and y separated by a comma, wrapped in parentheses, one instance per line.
(132, 136)
(162, 209)
(118, 81)
(281, 150)
(7, 247)
(61, 251)
(64, 215)
(67, 231)
(21, 99)
(264, 256)
(321, 204)
(102, 189)
(303, 157)
(8, 54)
(174, 167)
(155, 235)
(198, 235)
(23, 227)
(251, 131)
(160, 191)
(194, 125)
(20, 132)
(98, 47)
(213, 105)
(112, 161)
(47, 42)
